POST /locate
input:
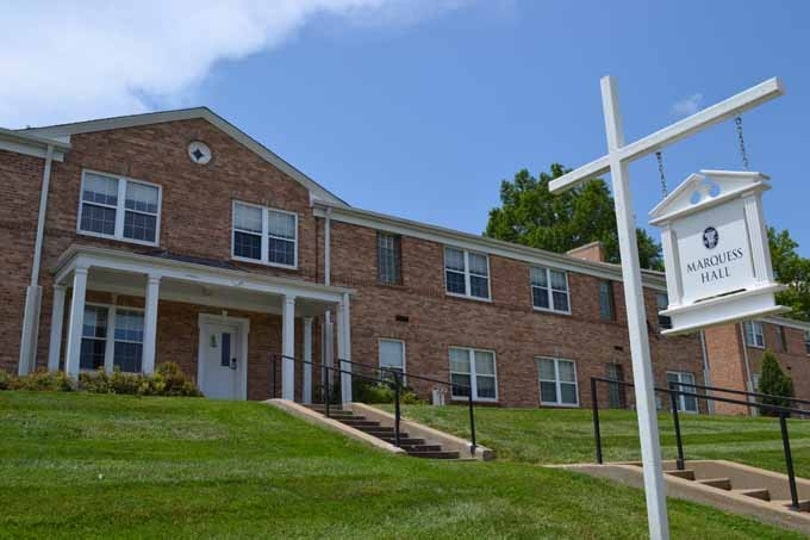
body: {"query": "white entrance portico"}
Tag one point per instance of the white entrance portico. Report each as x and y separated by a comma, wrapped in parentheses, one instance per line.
(126, 336)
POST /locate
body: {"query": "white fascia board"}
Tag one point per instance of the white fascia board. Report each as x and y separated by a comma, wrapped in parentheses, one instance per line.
(204, 113)
(32, 145)
(81, 256)
(788, 323)
(441, 235)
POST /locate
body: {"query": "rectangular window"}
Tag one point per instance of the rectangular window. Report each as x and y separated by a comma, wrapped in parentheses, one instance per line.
(473, 370)
(781, 339)
(807, 341)
(120, 208)
(466, 273)
(662, 302)
(754, 334)
(685, 403)
(112, 337)
(558, 382)
(607, 307)
(265, 235)
(617, 395)
(549, 289)
(392, 355)
(389, 258)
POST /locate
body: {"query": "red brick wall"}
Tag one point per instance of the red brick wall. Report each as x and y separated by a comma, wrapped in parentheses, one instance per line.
(507, 325)
(794, 361)
(20, 183)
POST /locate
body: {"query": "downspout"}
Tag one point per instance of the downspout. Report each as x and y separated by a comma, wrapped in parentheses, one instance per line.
(327, 248)
(33, 293)
(707, 374)
(749, 383)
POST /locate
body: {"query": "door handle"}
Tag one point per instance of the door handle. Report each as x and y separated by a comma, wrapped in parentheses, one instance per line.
(233, 363)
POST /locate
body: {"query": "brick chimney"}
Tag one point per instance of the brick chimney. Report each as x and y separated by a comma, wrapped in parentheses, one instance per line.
(593, 252)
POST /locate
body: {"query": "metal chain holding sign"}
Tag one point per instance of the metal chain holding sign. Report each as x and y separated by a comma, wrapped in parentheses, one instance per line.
(741, 139)
(660, 158)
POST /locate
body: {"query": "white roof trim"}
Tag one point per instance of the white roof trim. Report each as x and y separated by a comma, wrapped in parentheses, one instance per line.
(442, 235)
(31, 145)
(127, 261)
(120, 122)
(789, 323)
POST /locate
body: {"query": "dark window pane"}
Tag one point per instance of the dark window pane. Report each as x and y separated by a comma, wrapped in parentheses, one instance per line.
(461, 385)
(606, 308)
(548, 392)
(455, 283)
(92, 353)
(140, 226)
(485, 387)
(560, 301)
(568, 394)
(389, 256)
(281, 251)
(127, 356)
(540, 297)
(98, 219)
(479, 286)
(247, 245)
(225, 350)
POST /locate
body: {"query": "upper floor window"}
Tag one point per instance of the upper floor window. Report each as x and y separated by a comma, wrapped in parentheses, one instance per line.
(466, 273)
(550, 289)
(781, 339)
(607, 306)
(807, 341)
(662, 303)
(389, 258)
(265, 235)
(473, 371)
(754, 334)
(120, 208)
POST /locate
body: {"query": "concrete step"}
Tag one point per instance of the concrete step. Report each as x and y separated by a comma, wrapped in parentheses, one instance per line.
(804, 504)
(435, 455)
(719, 483)
(421, 447)
(403, 440)
(360, 424)
(756, 493)
(686, 474)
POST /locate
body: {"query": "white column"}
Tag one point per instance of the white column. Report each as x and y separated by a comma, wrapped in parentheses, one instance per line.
(74, 344)
(57, 316)
(345, 349)
(306, 393)
(288, 348)
(760, 250)
(150, 324)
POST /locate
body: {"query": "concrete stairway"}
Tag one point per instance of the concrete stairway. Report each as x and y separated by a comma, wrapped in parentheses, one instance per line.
(416, 447)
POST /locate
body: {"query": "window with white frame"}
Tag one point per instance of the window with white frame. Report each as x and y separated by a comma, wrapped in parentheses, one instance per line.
(550, 289)
(754, 334)
(607, 307)
(265, 235)
(389, 258)
(112, 337)
(391, 355)
(473, 370)
(685, 403)
(120, 208)
(558, 382)
(466, 273)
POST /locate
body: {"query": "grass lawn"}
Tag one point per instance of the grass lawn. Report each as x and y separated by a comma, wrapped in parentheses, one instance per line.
(78, 465)
(566, 435)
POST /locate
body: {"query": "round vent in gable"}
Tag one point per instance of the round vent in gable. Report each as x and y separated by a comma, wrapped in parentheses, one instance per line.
(199, 152)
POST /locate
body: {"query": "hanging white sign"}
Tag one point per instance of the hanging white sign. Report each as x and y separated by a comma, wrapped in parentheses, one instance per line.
(715, 248)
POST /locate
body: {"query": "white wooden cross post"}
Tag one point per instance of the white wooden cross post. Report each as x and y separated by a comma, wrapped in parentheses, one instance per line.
(616, 162)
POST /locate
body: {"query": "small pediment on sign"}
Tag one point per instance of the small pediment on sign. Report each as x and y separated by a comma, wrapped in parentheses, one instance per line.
(706, 188)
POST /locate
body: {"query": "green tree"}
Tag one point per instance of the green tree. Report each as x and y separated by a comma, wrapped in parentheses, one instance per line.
(530, 215)
(792, 270)
(773, 381)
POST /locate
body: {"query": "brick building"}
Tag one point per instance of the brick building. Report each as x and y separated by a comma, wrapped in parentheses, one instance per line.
(175, 236)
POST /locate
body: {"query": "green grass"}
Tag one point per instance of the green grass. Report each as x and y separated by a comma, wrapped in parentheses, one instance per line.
(566, 436)
(81, 465)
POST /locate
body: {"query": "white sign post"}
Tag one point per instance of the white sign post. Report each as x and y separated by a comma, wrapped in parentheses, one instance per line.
(616, 162)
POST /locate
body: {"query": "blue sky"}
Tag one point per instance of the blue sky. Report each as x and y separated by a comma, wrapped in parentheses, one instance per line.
(420, 109)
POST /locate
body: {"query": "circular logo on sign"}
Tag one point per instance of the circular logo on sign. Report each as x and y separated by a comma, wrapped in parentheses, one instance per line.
(710, 238)
(199, 152)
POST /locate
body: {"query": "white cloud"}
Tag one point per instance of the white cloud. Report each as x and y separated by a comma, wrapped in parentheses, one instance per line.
(66, 61)
(688, 106)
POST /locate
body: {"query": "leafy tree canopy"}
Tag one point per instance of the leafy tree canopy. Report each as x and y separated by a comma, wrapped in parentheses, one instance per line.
(530, 215)
(793, 270)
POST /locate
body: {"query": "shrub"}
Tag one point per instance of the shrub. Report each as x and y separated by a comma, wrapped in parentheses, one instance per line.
(168, 380)
(774, 381)
(43, 380)
(5, 380)
(365, 391)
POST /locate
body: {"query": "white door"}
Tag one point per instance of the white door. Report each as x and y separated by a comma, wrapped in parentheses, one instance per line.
(221, 360)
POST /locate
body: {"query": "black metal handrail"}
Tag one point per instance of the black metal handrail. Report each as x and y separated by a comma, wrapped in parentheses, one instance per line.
(745, 393)
(674, 392)
(470, 401)
(394, 381)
